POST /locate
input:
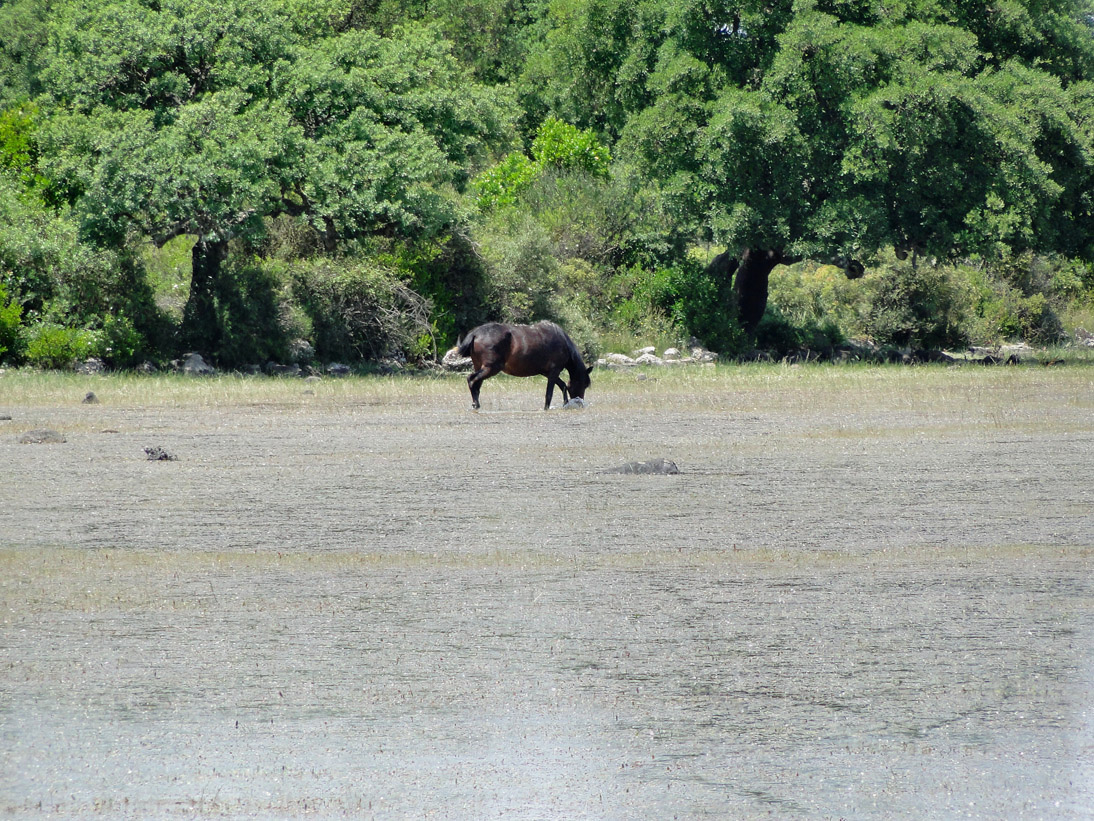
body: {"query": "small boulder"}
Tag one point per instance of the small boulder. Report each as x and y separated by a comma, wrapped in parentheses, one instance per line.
(662, 467)
(453, 361)
(42, 437)
(91, 398)
(301, 351)
(91, 366)
(193, 364)
(158, 454)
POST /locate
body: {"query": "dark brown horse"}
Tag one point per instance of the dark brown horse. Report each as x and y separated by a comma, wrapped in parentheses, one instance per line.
(542, 349)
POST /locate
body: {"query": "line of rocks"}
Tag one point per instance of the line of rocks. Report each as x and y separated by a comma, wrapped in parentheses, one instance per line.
(855, 350)
(697, 355)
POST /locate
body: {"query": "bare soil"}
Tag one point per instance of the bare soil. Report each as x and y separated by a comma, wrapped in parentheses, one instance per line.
(866, 594)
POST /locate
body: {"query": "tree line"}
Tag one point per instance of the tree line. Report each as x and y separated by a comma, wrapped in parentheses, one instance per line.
(376, 177)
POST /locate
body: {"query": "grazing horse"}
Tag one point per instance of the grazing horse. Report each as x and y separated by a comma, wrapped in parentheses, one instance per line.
(542, 349)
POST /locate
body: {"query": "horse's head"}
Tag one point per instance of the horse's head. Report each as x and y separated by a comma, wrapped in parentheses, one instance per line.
(579, 382)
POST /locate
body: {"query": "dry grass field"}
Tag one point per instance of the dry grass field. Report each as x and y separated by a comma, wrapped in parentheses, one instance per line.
(867, 594)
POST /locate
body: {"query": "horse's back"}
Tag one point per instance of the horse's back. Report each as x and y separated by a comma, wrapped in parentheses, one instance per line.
(542, 348)
(520, 350)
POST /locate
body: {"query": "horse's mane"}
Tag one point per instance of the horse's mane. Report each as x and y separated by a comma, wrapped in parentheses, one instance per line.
(575, 354)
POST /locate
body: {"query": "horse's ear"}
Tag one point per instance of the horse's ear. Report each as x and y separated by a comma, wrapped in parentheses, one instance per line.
(589, 369)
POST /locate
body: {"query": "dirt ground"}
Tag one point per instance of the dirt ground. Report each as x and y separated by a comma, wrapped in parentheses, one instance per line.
(868, 593)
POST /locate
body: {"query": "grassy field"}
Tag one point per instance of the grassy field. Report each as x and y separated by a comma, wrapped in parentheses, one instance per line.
(866, 594)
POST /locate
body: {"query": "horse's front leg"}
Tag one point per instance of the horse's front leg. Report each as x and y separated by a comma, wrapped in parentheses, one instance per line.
(552, 380)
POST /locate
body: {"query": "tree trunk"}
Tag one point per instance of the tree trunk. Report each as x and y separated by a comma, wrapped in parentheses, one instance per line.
(750, 285)
(750, 272)
(200, 330)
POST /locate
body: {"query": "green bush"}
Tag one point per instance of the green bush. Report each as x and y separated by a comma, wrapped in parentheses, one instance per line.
(916, 307)
(558, 147)
(11, 317)
(782, 335)
(563, 146)
(54, 346)
(502, 184)
(812, 296)
(248, 304)
(119, 343)
(362, 311)
(1013, 300)
(523, 267)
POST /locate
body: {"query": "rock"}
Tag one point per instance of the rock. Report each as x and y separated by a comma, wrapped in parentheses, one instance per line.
(649, 359)
(276, 369)
(5, 417)
(618, 360)
(756, 355)
(42, 437)
(194, 365)
(662, 467)
(453, 361)
(90, 367)
(337, 369)
(313, 378)
(146, 367)
(649, 349)
(1084, 337)
(1016, 352)
(670, 354)
(158, 454)
(91, 398)
(301, 351)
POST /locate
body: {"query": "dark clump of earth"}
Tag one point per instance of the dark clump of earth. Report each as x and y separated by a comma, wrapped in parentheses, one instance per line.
(663, 467)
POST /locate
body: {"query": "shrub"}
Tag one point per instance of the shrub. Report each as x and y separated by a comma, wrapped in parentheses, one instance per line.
(54, 346)
(812, 296)
(362, 311)
(563, 146)
(916, 307)
(558, 146)
(249, 316)
(782, 335)
(119, 343)
(11, 316)
(523, 268)
(503, 183)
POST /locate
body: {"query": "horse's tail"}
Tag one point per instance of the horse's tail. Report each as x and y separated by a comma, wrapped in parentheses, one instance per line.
(466, 344)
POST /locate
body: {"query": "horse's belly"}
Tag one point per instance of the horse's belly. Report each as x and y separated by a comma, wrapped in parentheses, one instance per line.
(523, 369)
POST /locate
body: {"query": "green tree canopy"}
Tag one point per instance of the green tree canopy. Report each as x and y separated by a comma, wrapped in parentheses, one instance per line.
(833, 129)
(204, 118)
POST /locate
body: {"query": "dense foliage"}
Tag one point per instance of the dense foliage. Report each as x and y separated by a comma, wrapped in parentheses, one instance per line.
(375, 177)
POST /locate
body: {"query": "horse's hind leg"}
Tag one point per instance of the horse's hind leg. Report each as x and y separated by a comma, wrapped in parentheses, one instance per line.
(475, 380)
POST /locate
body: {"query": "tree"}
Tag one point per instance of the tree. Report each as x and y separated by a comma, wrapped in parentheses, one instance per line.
(206, 118)
(831, 130)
